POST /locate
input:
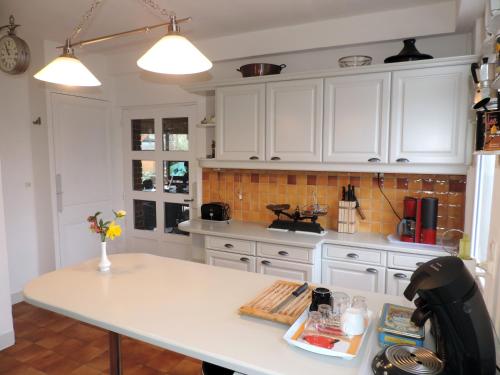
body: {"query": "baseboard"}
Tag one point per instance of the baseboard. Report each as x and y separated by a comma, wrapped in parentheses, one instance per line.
(16, 297)
(6, 340)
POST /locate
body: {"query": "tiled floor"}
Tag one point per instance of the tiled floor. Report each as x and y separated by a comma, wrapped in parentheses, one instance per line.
(51, 344)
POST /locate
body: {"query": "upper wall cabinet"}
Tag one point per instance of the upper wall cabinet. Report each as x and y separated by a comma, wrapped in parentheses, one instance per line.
(294, 116)
(240, 130)
(356, 120)
(429, 115)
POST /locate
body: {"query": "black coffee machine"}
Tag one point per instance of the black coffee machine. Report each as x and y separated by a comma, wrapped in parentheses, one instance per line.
(460, 323)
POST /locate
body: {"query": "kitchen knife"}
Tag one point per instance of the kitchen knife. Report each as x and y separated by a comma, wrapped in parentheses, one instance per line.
(296, 293)
(358, 207)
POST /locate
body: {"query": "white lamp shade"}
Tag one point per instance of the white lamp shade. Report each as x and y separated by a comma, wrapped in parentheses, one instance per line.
(67, 70)
(174, 54)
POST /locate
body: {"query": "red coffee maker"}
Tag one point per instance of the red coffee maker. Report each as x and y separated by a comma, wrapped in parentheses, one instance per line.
(419, 221)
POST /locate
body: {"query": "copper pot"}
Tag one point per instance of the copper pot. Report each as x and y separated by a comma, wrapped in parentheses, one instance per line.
(260, 69)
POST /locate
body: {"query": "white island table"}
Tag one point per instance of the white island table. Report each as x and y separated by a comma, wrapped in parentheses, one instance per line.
(188, 308)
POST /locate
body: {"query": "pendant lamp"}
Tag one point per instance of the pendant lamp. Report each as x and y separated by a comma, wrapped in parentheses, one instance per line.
(67, 70)
(174, 54)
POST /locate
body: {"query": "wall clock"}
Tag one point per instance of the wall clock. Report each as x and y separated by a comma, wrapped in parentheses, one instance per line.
(14, 51)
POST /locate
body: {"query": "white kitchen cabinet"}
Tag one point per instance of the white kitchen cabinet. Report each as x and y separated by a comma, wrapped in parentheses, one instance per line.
(240, 129)
(294, 118)
(429, 115)
(397, 281)
(289, 270)
(230, 260)
(354, 276)
(356, 118)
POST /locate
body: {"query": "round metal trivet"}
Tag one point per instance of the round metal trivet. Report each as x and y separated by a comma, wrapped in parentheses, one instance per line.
(414, 360)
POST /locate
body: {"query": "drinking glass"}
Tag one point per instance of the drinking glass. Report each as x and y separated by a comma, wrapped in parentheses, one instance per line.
(340, 303)
(313, 323)
(359, 302)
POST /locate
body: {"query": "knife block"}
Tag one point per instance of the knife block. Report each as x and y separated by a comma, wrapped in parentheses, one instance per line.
(347, 217)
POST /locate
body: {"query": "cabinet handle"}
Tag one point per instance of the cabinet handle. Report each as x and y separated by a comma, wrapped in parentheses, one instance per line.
(402, 160)
(371, 270)
(400, 276)
(245, 259)
(254, 158)
(228, 246)
(374, 160)
(266, 263)
(284, 253)
(189, 200)
(353, 256)
(275, 158)
(418, 264)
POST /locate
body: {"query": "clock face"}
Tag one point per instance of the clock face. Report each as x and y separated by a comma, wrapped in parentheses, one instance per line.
(14, 55)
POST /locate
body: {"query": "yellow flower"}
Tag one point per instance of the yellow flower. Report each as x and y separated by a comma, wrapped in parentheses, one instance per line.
(120, 213)
(114, 230)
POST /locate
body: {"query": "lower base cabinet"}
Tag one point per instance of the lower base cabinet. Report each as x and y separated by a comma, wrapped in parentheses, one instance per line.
(230, 260)
(397, 281)
(290, 270)
(354, 276)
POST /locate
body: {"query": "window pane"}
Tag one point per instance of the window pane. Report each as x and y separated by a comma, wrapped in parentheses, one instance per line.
(143, 134)
(175, 213)
(176, 177)
(175, 134)
(144, 175)
(144, 214)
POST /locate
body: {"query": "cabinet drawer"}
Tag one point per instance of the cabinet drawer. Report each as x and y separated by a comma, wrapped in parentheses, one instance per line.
(230, 245)
(230, 260)
(397, 281)
(289, 270)
(284, 252)
(407, 261)
(354, 254)
(353, 276)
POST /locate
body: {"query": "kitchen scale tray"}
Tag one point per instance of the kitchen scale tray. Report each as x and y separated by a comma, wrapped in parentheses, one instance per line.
(262, 304)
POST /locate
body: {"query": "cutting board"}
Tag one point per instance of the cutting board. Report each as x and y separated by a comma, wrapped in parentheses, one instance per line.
(262, 304)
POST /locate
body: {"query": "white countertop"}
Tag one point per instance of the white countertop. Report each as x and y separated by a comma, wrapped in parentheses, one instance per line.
(190, 308)
(259, 232)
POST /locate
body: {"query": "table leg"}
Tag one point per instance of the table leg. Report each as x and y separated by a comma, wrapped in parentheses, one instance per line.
(115, 356)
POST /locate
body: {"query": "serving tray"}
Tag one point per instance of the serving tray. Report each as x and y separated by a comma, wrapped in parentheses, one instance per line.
(262, 304)
(347, 347)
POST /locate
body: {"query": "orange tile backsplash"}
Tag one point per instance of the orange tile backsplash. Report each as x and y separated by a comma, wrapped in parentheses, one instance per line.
(258, 188)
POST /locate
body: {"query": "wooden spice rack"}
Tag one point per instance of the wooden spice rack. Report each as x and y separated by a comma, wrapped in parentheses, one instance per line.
(262, 305)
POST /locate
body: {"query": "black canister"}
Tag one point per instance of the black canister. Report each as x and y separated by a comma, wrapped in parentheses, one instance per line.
(320, 296)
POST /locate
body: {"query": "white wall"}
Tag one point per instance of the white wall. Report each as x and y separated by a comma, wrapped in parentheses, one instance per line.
(6, 328)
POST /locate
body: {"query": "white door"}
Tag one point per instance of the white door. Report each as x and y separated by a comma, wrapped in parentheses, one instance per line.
(82, 163)
(294, 118)
(356, 121)
(229, 260)
(429, 110)
(240, 117)
(354, 276)
(287, 270)
(397, 281)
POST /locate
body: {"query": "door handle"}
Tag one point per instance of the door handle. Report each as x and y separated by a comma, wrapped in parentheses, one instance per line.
(284, 253)
(403, 160)
(275, 158)
(371, 270)
(59, 193)
(245, 259)
(400, 276)
(228, 246)
(266, 263)
(353, 256)
(254, 158)
(374, 160)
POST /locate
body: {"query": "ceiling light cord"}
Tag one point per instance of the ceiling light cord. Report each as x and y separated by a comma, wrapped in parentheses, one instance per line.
(85, 18)
(156, 7)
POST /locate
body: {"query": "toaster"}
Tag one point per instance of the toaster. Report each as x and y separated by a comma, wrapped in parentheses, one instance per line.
(217, 211)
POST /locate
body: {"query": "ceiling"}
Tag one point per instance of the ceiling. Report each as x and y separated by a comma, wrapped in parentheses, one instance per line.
(55, 19)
